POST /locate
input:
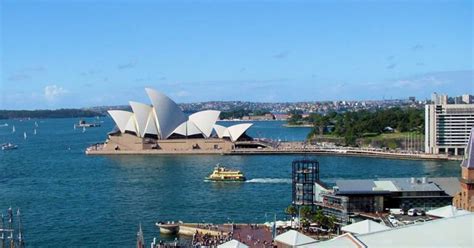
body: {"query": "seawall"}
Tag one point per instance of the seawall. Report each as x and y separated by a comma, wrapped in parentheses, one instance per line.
(286, 151)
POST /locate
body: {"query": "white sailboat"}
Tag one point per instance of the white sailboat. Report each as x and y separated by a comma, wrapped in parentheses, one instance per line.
(24, 135)
(74, 126)
(36, 124)
(83, 129)
(34, 131)
(13, 129)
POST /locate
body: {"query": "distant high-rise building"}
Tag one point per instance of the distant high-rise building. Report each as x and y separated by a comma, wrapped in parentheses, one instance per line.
(439, 99)
(447, 126)
(458, 100)
(466, 98)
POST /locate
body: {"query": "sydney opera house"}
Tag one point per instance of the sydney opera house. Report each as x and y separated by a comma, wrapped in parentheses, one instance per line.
(163, 127)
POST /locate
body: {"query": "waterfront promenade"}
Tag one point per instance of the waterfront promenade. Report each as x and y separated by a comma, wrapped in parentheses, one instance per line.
(297, 148)
(253, 235)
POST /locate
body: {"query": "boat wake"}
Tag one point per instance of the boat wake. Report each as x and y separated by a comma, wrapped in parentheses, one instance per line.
(269, 180)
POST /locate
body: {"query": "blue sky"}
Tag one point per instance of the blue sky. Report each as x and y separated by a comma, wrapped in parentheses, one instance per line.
(88, 53)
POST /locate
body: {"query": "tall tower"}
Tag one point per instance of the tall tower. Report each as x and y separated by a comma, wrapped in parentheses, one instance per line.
(304, 174)
(465, 198)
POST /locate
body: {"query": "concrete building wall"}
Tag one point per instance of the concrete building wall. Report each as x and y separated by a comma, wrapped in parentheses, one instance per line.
(193, 144)
(124, 141)
(447, 128)
(130, 142)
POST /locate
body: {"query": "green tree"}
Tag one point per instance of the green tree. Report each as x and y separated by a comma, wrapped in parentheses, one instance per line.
(296, 117)
(331, 222)
(318, 217)
(290, 210)
(353, 125)
(305, 212)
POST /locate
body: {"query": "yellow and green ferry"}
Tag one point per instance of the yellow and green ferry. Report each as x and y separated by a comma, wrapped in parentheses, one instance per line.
(222, 174)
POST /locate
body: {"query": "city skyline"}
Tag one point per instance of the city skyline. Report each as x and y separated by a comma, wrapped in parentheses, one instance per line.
(81, 54)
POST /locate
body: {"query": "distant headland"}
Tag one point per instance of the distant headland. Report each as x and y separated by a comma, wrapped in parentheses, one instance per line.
(57, 113)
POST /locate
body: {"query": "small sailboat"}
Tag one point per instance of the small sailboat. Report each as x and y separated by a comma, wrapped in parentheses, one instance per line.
(24, 135)
(34, 131)
(83, 129)
(13, 129)
(36, 124)
(74, 126)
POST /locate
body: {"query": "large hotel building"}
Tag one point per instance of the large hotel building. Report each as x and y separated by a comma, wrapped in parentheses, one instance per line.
(447, 125)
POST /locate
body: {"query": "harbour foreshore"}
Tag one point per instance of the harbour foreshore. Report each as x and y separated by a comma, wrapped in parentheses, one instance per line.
(287, 149)
(189, 229)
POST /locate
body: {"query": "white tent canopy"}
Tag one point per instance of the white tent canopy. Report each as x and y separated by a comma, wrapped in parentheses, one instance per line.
(279, 223)
(233, 244)
(294, 238)
(366, 226)
(446, 232)
(447, 211)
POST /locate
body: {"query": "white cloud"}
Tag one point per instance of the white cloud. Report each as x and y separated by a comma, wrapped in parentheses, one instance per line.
(182, 93)
(52, 92)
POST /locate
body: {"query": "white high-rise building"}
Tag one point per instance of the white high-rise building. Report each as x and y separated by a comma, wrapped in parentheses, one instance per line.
(447, 126)
(439, 99)
(466, 98)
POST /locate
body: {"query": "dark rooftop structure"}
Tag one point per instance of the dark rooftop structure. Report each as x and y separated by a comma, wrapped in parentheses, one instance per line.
(387, 185)
(468, 160)
(350, 197)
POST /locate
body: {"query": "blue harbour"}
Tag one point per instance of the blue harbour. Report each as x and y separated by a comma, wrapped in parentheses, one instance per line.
(68, 198)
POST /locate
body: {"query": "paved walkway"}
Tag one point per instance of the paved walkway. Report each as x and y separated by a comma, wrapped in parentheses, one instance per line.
(253, 236)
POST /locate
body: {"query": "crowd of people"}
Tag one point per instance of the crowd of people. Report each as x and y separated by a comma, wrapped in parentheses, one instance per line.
(206, 240)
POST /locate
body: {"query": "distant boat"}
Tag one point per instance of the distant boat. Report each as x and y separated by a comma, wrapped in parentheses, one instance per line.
(24, 135)
(74, 126)
(82, 123)
(9, 146)
(4, 125)
(36, 124)
(34, 131)
(13, 129)
(83, 129)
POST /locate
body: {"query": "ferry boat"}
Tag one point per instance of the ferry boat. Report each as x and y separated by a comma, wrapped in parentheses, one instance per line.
(83, 124)
(9, 146)
(222, 174)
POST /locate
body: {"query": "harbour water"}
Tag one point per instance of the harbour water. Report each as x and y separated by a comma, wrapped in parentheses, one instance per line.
(70, 199)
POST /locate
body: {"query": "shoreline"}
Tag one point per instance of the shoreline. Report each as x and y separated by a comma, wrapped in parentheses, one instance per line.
(332, 152)
(297, 126)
